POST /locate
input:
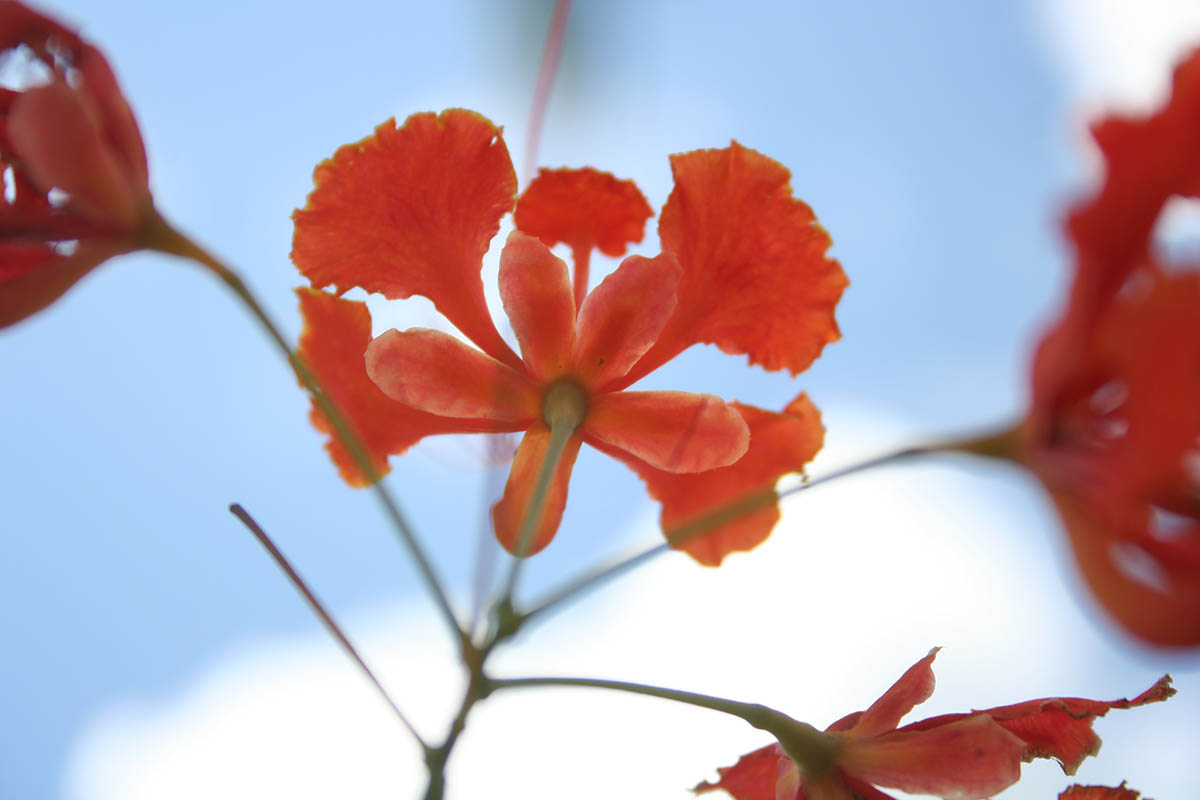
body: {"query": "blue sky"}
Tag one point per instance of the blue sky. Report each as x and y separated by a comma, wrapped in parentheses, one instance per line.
(938, 142)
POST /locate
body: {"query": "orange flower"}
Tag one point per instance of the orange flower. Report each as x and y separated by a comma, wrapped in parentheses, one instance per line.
(78, 193)
(1115, 422)
(965, 756)
(412, 210)
(1078, 792)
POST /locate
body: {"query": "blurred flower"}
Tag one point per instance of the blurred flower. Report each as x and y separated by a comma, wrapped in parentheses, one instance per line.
(412, 210)
(74, 166)
(1114, 427)
(965, 756)
(1078, 792)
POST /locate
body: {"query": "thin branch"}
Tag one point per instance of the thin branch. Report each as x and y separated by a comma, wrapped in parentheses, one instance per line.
(318, 607)
(168, 240)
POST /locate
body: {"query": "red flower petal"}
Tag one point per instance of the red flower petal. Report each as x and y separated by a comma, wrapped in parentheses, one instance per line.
(32, 276)
(536, 292)
(673, 431)
(779, 444)
(435, 372)
(1078, 792)
(914, 687)
(756, 278)
(412, 211)
(508, 515)
(622, 317)
(336, 334)
(584, 208)
(753, 777)
(1148, 160)
(969, 759)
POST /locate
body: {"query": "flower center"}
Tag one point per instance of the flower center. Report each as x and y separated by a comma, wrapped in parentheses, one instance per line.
(565, 404)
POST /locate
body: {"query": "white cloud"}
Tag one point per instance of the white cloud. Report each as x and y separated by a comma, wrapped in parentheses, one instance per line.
(861, 578)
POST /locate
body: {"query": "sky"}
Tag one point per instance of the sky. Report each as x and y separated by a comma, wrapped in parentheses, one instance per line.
(153, 650)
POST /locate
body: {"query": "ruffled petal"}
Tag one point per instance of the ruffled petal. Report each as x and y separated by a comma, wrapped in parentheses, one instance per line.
(742, 495)
(412, 211)
(508, 515)
(335, 337)
(536, 292)
(969, 759)
(672, 431)
(584, 208)
(753, 777)
(1077, 792)
(756, 279)
(623, 316)
(32, 276)
(436, 372)
(914, 687)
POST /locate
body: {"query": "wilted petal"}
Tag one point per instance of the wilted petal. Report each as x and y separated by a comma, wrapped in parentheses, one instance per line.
(435, 372)
(968, 759)
(584, 208)
(779, 444)
(756, 279)
(622, 317)
(412, 211)
(335, 337)
(672, 431)
(536, 292)
(914, 687)
(508, 515)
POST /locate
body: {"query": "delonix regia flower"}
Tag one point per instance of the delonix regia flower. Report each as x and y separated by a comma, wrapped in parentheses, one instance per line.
(413, 209)
(79, 192)
(1114, 428)
(964, 756)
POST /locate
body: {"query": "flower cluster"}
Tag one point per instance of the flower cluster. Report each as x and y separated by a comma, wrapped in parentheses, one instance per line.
(412, 210)
(969, 756)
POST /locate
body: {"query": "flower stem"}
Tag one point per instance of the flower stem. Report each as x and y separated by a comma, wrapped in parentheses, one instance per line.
(318, 607)
(811, 748)
(166, 239)
(541, 91)
(992, 444)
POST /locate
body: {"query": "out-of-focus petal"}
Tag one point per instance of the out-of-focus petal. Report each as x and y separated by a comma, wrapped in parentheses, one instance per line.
(672, 431)
(1078, 792)
(1148, 160)
(756, 277)
(336, 334)
(508, 515)
(57, 133)
(753, 777)
(584, 208)
(623, 316)
(968, 759)
(536, 292)
(914, 687)
(779, 444)
(120, 125)
(1153, 594)
(32, 276)
(412, 210)
(436, 372)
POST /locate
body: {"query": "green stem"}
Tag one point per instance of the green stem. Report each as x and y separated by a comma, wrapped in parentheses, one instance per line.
(996, 444)
(813, 750)
(165, 239)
